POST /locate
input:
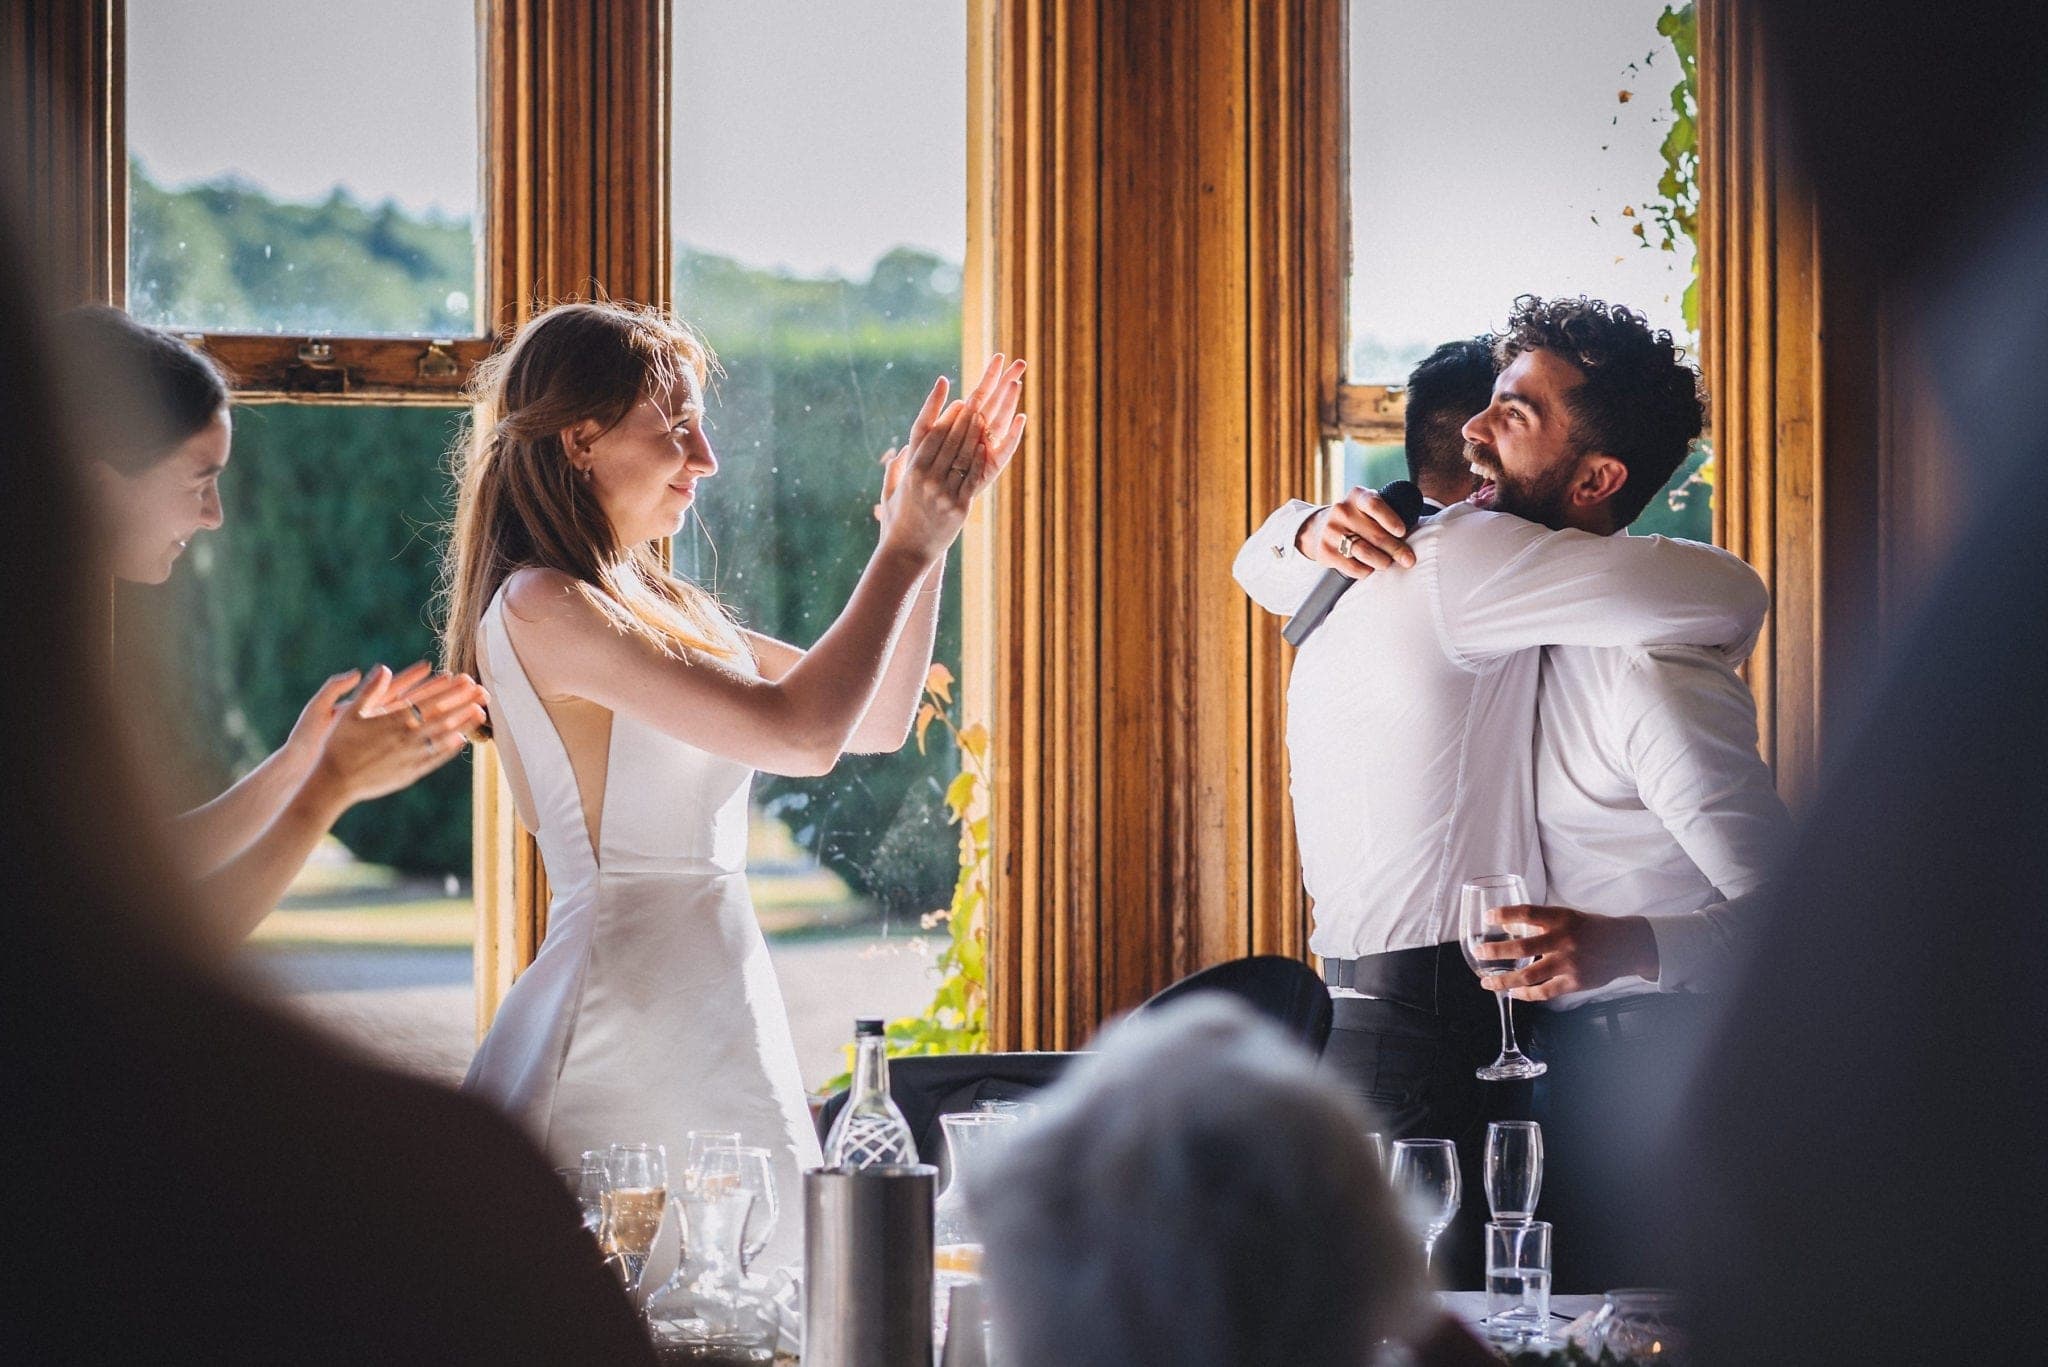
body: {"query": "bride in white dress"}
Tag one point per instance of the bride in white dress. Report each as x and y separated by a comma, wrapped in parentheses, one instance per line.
(631, 714)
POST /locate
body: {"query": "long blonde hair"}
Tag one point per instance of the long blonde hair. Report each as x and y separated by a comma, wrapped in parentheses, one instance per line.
(519, 502)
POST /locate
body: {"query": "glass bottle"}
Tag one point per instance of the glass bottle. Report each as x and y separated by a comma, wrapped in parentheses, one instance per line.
(870, 1132)
(711, 1312)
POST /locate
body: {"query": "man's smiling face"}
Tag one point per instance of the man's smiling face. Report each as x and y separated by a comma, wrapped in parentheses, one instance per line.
(1520, 445)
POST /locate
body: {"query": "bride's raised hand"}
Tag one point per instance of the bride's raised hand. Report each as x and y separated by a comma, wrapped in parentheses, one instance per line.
(924, 500)
(1002, 428)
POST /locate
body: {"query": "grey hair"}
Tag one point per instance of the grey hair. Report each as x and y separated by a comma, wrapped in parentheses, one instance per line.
(1194, 1195)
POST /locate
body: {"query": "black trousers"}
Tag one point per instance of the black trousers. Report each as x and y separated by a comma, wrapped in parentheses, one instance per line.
(1409, 1050)
(1615, 1090)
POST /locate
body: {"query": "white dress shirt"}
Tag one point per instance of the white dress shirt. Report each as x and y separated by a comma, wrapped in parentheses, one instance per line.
(1651, 800)
(1411, 712)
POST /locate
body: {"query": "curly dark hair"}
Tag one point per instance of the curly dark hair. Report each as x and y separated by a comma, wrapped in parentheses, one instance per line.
(1641, 401)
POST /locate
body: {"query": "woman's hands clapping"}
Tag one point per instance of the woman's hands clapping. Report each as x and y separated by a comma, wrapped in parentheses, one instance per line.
(954, 452)
(398, 729)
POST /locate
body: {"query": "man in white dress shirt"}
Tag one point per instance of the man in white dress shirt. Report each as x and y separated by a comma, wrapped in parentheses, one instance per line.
(1412, 708)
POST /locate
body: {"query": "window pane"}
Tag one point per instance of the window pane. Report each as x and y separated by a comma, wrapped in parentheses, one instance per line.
(1500, 149)
(304, 168)
(820, 230)
(326, 560)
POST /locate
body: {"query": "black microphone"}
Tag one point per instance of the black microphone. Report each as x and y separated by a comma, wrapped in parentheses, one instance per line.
(1406, 500)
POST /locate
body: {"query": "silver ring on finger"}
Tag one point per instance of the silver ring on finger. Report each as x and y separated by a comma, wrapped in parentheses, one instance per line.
(1344, 544)
(433, 746)
(418, 717)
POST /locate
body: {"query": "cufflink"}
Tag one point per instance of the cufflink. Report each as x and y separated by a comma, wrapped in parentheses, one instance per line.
(1279, 552)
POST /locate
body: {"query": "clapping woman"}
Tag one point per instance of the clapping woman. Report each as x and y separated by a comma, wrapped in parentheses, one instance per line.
(632, 712)
(157, 434)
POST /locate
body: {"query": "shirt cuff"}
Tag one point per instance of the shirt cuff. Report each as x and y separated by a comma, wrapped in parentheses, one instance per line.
(1270, 569)
(1693, 952)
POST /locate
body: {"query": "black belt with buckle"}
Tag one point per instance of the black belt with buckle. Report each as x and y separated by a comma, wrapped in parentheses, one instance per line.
(1432, 978)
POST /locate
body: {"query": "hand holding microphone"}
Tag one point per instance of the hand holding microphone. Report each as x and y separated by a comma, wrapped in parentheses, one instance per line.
(1365, 532)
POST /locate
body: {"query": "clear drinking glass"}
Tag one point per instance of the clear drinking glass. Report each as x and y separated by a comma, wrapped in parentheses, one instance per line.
(638, 1177)
(1514, 1169)
(1379, 1150)
(588, 1184)
(748, 1170)
(1425, 1177)
(1518, 1281)
(1475, 900)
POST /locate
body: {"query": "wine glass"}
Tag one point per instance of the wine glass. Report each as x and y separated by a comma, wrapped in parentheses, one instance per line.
(749, 1170)
(1475, 900)
(638, 1194)
(1514, 1169)
(588, 1184)
(698, 1143)
(1425, 1177)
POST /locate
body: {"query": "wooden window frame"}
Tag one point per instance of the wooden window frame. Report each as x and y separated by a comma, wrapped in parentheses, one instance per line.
(341, 367)
(1140, 823)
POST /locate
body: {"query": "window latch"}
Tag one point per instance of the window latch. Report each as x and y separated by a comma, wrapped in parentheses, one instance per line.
(316, 371)
(438, 364)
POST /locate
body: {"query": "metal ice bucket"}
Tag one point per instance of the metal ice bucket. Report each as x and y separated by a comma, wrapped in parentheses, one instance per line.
(868, 1266)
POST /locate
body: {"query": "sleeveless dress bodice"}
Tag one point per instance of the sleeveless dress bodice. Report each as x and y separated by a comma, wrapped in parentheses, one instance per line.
(651, 1008)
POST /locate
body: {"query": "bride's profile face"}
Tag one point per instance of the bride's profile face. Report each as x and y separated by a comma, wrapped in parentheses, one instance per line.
(152, 514)
(644, 471)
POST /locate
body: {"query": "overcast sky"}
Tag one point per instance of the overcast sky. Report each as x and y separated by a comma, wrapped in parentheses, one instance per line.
(817, 134)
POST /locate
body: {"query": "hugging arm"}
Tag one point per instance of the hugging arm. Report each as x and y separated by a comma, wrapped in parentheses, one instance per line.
(1507, 585)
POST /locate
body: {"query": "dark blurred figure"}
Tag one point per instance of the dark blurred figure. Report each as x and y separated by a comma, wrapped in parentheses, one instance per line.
(190, 1178)
(1193, 1196)
(1864, 1192)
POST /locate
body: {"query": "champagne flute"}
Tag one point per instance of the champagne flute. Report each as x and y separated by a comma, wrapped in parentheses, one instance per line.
(1514, 1170)
(748, 1170)
(638, 1174)
(1475, 900)
(1425, 1177)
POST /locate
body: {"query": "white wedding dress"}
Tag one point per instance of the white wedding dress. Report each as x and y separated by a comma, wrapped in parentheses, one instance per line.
(652, 1008)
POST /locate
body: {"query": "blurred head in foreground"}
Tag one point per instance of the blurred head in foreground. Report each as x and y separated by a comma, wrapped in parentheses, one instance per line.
(1193, 1195)
(266, 1198)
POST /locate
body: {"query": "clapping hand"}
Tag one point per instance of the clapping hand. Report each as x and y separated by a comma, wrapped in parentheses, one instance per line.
(954, 451)
(398, 728)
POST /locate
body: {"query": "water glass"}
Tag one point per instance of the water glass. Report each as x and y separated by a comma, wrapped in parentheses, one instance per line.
(1514, 1169)
(1477, 900)
(1518, 1281)
(749, 1170)
(1425, 1177)
(588, 1184)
